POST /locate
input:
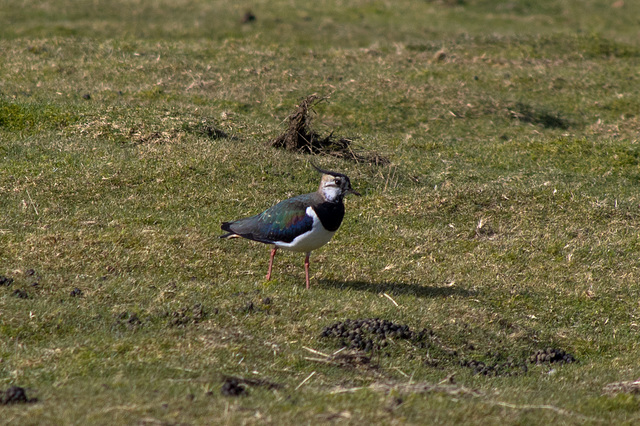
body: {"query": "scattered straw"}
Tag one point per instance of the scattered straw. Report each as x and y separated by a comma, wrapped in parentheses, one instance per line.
(632, 387)
(32, 203)
(305, 380)
(390, 298)
(411, 388)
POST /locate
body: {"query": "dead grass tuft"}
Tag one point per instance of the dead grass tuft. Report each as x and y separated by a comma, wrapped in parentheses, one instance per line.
(632, 387)
(414, 388)
(300, 137)
(343, 358)
(139, 135)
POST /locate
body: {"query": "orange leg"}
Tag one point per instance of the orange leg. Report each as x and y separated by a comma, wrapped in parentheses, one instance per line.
(273, 254)
(306, 269)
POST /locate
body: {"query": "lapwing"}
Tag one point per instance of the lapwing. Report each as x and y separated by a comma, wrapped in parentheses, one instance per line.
(302, 223)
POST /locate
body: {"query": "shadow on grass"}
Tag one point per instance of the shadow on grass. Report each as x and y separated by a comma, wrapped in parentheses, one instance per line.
(397, 288)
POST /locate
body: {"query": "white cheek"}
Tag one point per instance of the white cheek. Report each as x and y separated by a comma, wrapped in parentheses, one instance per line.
(330, 192)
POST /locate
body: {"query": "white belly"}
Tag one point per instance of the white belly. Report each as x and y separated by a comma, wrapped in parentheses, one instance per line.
(311, 240)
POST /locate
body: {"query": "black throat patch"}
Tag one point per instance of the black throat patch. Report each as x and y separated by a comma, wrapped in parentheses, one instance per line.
(330, 215)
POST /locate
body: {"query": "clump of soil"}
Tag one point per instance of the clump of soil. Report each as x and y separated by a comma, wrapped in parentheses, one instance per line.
(130, 319)
(551, 356)
(510, 367)
(374, 335)
(237, 386)
(514, 366)
(247, 309)
(300, 137)
(248, 17)
(15, 395)
(21, 294)
(185, 316)
(256, 306)
(371, 334)
(232, 387)
(5, 281)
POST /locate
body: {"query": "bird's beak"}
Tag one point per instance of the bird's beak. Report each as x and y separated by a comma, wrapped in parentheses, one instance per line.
(354, 192)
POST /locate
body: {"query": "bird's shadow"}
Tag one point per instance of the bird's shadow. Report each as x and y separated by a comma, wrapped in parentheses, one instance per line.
(398, 288)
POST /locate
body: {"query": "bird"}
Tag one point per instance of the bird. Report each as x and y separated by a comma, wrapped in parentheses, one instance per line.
(302, 223)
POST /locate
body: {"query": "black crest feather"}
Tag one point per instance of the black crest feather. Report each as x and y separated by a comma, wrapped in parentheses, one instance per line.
(327, 172)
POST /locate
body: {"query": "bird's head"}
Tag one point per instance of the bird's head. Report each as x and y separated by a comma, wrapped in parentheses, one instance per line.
(334, 185)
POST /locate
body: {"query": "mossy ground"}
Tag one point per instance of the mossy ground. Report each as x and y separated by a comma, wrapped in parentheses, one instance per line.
(505, 223)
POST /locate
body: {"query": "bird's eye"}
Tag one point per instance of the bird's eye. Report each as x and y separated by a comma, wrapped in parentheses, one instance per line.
(338, 181)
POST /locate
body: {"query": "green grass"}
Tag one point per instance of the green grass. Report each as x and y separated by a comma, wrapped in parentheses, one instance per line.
(505, 223)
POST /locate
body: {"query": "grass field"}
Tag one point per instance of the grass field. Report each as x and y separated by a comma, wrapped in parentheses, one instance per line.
(505, 223)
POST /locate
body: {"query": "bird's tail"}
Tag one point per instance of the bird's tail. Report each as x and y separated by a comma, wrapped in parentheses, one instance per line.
(226, 226)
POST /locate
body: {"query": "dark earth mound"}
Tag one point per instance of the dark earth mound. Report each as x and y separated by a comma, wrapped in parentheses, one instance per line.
(237, 386)
(232, 387)
(15, 395)
(20, 294)
(510, 367)
(371, 334)
(375, 335)
(551, 356)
